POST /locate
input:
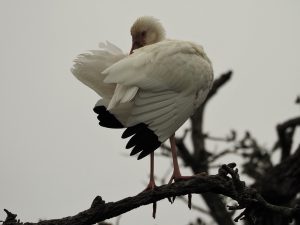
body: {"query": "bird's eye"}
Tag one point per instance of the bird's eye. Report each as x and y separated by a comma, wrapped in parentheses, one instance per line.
(143, 33)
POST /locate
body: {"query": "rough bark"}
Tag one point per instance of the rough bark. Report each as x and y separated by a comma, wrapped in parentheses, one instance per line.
(226, 182)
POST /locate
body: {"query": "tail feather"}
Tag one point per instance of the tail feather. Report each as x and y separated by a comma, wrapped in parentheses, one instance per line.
(88, 67)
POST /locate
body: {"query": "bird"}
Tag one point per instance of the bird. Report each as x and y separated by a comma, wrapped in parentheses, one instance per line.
(149, 92)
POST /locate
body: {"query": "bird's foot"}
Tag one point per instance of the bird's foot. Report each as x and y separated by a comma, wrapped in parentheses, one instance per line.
(177, 177)
(151, 186)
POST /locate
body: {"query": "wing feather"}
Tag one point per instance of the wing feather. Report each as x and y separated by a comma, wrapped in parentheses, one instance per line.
(163, 117)
(122, 94)
(88, 67)
(173, 65)
(165, 82)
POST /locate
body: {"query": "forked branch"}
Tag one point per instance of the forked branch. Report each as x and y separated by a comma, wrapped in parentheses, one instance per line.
(226, 182)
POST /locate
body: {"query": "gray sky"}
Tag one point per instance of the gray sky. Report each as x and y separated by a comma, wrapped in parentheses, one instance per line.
(54, 158)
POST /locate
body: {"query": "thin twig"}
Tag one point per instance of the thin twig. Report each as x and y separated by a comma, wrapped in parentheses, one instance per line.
(198, 208)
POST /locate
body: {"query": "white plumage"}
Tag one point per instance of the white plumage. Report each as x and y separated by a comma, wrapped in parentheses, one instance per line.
(88, 67)
(159, 85)
(166, 81)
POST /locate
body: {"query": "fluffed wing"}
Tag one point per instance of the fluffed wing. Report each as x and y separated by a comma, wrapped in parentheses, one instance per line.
(88, 67)
(166, 82)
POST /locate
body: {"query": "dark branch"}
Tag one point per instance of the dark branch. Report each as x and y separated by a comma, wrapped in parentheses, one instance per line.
(284, 176)
(184, 152)
(229, 138)
(297, 100)
(285, 132)
(217, 84)
(221, 183)
(200, 154)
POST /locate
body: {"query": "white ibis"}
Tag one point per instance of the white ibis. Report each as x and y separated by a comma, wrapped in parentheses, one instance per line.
(151, 92)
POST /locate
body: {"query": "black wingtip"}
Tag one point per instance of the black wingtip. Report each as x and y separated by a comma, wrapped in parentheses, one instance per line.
(135, 150)
(144, 140)
(133, 130)
(106, 118)
(142, 155)
(149, 149)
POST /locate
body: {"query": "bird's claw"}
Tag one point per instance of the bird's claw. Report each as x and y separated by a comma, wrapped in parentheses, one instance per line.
(154, 210)
(179, 178)
(150, 187)
(190, 201)
(172, 199)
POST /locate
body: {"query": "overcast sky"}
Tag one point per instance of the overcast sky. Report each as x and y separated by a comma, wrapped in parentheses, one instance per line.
(54, 158)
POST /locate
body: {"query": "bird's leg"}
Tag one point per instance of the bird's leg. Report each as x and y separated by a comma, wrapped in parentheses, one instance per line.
(151, 184)
(176, 176)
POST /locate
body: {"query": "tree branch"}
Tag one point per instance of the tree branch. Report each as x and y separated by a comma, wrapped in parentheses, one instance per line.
(284, 176)
(221, 183)
(285, 132)
(200, 153)
(195, 207)
(223, 79)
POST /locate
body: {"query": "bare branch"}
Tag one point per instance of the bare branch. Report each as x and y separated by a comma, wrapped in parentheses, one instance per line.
(217, 84)
(229, 138)
(297, 100)
(285, 132)
(184, 153)
(200, 154)
(214, 157)
(221, 183)
(282, 177)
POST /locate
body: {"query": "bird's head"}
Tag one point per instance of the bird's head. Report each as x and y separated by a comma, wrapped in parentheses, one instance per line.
(146, 30)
